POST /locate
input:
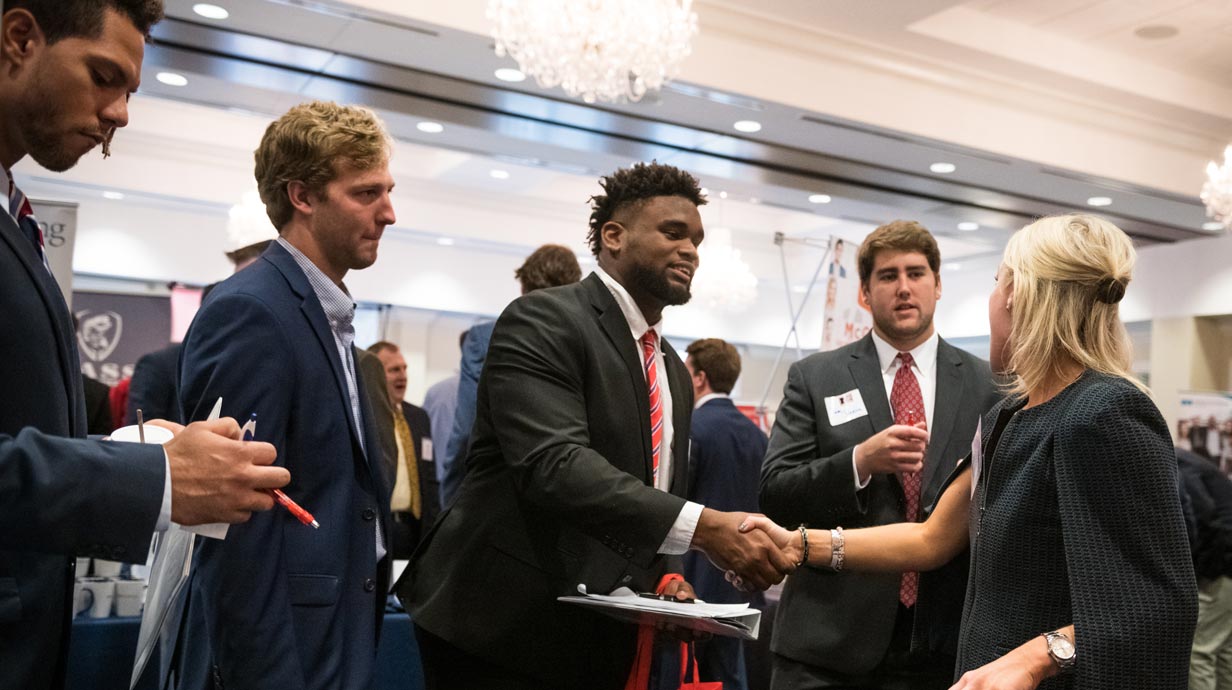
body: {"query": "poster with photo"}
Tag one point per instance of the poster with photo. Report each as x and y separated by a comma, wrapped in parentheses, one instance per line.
(843, 319)
(1204, 426)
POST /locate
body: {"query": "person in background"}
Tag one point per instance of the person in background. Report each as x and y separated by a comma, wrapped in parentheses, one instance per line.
(548, 266)
(724, 467)
(866, 435)
(67, 68)
(1210, 495)
(98, 407)
(441, 403)
(1081, 572)
(414, 504)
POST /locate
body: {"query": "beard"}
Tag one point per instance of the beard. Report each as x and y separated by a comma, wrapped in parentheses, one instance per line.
(45, 142)
(657, 285)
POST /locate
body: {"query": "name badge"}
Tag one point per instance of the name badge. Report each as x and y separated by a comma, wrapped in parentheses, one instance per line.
(427, 450)
(845, 407)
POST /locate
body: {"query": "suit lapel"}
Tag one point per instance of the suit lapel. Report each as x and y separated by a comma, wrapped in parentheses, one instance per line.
(682, 410)
(315, 315)
(945, 410)
(865, 369)
(61, 321)
(613, 324)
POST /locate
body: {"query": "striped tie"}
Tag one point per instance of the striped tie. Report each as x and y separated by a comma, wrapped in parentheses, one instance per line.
(908, 404)
(23, 213)
(650, 342)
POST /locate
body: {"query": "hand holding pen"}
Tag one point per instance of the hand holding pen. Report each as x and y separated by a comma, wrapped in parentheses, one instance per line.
(248, 430)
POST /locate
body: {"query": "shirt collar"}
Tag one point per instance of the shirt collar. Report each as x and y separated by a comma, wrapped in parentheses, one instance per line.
(633, 314)
(924, 354)
(335, 300)
(708, 397)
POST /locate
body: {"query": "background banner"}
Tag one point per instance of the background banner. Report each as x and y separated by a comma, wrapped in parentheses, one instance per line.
(114, 331)
(844, 320)
(1204, 425)
(58, 219)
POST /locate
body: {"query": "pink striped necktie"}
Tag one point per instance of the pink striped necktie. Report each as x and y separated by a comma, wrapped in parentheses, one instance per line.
(650, 343)
(23, 213)
(908, 404)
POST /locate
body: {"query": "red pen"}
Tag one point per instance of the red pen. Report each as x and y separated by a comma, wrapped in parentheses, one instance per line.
(250, 428)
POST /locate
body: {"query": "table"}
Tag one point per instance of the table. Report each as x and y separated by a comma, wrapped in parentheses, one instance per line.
(102, 651)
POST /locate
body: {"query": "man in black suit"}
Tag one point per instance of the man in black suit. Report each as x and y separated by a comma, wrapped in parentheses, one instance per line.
(578, 464)
(67, 68)
(416, 497)
(724, 468)
(866, 435)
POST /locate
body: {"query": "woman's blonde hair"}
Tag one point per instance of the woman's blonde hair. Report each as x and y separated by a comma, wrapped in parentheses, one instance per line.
(308, 143)
(1068, 273)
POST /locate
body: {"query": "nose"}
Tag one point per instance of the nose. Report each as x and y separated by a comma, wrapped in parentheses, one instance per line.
(902, 287)
(115, 114)
(386, 214)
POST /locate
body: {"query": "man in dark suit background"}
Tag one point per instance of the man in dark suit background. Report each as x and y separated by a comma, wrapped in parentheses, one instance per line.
(415, 501)
(724, 469)
(866, 436)
(578, 465)
(551, 265)
(63, 495)
(286, 605)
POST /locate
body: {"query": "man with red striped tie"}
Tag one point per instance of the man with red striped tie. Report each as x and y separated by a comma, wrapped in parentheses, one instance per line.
(67, 68)
(578, 464)
(866, 435)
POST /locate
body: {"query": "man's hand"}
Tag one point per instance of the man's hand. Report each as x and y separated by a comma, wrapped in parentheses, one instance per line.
(681, 591)
(217, 478)
(899, 448)
(753, 556)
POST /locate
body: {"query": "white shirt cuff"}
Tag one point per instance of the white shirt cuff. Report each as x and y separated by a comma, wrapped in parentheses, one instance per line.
(681, 534)
(855, 470)
(164, 513)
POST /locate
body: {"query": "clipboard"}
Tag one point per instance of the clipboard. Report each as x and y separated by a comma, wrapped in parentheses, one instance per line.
(726, 620)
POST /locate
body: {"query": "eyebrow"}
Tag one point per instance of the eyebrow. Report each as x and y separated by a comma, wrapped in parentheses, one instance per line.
(118, 75)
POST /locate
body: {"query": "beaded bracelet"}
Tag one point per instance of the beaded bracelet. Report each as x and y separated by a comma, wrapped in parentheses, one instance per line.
(836, 549)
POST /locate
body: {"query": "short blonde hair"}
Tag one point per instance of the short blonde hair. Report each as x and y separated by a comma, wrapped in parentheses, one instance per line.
(1068, 273)
(308, 144)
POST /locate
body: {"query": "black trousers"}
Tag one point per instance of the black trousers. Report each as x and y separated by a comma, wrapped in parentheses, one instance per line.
(448, 668)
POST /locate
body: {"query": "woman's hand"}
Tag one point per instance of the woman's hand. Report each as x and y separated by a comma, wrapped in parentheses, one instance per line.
(1023, 668)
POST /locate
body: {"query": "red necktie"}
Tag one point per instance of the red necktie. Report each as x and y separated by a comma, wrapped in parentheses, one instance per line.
(908, 405)
(650, 343)
(23, 213)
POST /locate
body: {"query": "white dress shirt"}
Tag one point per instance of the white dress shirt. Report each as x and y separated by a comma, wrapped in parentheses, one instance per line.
(681, 534)
(924, 367)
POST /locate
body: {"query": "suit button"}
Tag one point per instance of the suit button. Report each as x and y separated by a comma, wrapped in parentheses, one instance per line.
(626, 579)
(369, 585)
(369, 514)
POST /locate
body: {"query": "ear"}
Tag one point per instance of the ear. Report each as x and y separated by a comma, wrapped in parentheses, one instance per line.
(301, 198)
(938, 296)
(612, 237)
(862, 297)
(20, 37)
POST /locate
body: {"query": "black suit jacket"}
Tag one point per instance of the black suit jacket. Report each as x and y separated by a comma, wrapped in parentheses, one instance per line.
(844, 621)
(61, 496)
(557, 493)
(724, 466)
(98, 407)
(154, 388)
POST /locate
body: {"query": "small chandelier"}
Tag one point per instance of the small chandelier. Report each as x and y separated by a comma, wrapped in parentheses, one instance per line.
(1217, 192)
(606, 50)
(724, 281)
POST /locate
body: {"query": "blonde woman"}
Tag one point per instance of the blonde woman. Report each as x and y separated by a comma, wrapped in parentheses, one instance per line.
(1080, 570)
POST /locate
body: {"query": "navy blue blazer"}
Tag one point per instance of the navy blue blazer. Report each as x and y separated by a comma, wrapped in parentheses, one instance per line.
(724, 474)
(58, 496)
(153, 388)
(285, 605)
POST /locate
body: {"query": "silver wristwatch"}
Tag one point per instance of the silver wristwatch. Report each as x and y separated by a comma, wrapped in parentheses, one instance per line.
(1061, 649)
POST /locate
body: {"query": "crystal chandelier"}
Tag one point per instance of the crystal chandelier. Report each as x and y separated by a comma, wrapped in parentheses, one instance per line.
(605, 50)
(1217, 192)
(724, 281)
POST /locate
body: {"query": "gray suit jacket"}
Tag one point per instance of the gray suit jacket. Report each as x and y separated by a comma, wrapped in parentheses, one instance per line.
(844, 621)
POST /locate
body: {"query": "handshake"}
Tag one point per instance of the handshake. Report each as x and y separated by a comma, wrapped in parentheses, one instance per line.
(755, 552)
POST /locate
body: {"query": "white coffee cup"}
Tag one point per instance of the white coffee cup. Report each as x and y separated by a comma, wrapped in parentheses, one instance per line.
(100, 591)
(83, 567)
(81, 599)
(106, 568)
(129, 595)
(153, 434)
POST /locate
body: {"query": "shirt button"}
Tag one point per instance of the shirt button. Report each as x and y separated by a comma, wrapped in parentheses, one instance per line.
(369, 514)
(369, 585)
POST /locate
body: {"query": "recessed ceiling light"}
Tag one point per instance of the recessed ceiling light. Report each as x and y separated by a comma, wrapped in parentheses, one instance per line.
(445, 241)
(1099, 201)
(951, 266)
(819, 198)
(747, 126)
(705, 192)
(498, 174)
(1155, 32)
(1213, 226)
(510, 74)
(968, 226)
(209, 11)
(114, 196)
(943, 168)
(172, 79)
(799, 289)
(754, 200)
(722, 195)
(430, 127)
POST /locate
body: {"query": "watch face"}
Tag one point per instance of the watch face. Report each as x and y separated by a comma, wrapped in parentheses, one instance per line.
(1061, 647)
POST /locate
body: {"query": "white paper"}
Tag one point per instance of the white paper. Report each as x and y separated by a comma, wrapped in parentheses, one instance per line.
(728, 620)
(846, 407)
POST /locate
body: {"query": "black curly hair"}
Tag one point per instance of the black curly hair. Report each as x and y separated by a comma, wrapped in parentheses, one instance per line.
(631, 186)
